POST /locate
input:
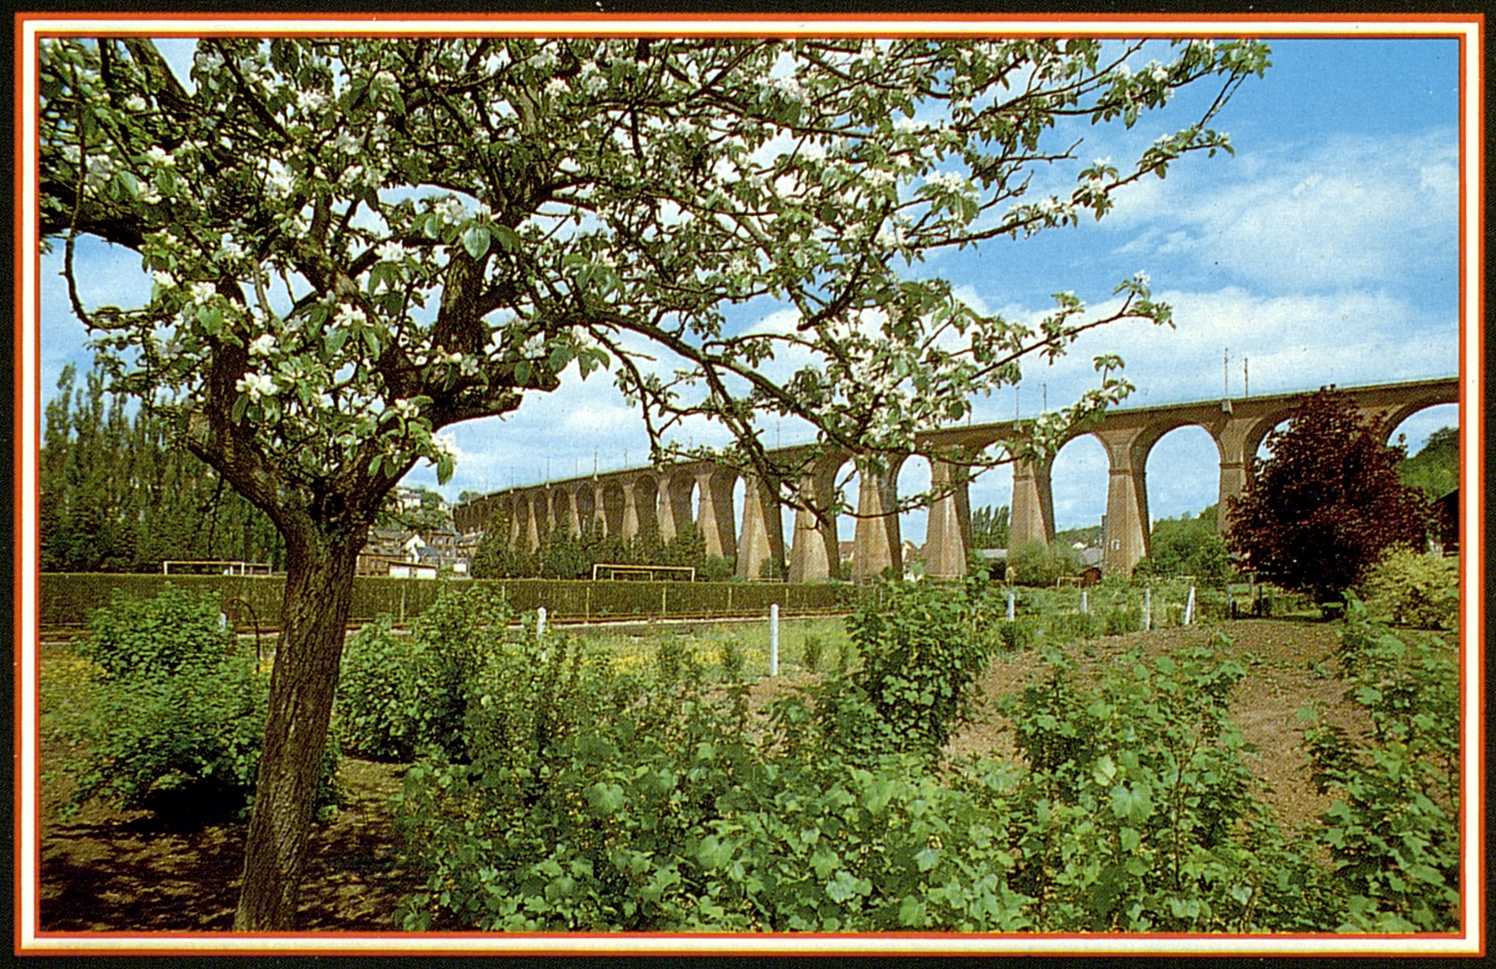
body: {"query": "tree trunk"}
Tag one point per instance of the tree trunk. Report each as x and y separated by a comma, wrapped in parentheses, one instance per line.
(319, 588)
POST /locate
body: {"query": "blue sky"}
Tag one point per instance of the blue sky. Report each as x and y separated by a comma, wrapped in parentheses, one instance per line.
(1324, 251)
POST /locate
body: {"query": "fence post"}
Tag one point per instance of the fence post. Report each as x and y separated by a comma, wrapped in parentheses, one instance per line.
(729, 600)
(1085, 603)
(587, 602)
(402, 603)
(539, 621)
(1147, 608)
(1189, 607)
(774, 639)
(663, 609)
(1010, 605)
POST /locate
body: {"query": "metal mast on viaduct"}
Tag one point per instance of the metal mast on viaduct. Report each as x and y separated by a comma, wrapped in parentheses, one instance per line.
(629, 502)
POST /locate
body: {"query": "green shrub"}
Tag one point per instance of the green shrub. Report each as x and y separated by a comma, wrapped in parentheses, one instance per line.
(1393, 831)
(1066, 627)
(1417, 589)
(1017, 634)
(1122, 619)
(156, 636)
(811, 651)
(644, 805)
(1139, 812)
(178, 719)
(400, 693)
(920, 650)
(1035, 563)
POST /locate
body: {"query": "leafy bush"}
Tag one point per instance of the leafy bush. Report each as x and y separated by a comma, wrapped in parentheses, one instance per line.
(1122, 619)
(921, 647)
(1393, 832)
(1418, 589)
(1016, 634)
(580, 775)
(1139, 813)
(811, 651)
(398, 694)
(178, 719)
(155, 636)
(643, 803)
(1035, 563)
(1066, 627)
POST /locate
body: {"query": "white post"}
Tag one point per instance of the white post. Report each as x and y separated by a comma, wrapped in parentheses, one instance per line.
(1010, 605)
(1085, 603)
(539, 622)
(1147, 608)
(1189, 607)
(774, 639)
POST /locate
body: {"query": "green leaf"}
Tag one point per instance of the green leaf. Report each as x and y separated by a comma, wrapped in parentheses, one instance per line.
(507, 237)
(333, 340)
(476, 240)
(912, 912)
(522, 372)
(713, 853)
(927, 858)
(605, 799)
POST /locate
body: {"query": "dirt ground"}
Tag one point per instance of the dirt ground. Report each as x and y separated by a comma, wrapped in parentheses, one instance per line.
(104, 870)
(117, 871)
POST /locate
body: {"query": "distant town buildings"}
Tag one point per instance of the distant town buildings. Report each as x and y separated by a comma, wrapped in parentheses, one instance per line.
(428, 549)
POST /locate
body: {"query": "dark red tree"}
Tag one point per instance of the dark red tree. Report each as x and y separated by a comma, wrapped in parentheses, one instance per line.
(1317, 514)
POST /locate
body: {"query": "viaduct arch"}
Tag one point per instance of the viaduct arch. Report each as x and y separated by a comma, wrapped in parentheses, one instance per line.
(628, 502)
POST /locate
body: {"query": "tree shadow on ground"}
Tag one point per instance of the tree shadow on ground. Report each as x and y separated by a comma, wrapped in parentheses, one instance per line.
(113, 871)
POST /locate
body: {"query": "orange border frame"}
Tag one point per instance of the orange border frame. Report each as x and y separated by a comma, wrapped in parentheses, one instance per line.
(797, 944)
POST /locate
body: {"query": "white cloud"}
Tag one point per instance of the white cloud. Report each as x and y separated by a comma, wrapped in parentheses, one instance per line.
(1349, 211)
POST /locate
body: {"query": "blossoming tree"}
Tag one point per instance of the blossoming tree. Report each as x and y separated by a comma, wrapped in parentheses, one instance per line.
(357, 243)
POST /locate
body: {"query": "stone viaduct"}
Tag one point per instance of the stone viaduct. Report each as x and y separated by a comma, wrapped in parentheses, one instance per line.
(630, 501)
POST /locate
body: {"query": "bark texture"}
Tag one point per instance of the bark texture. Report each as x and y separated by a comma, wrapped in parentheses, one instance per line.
(319, 590)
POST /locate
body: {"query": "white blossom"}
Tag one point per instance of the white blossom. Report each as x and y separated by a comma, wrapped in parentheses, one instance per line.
(229, 249)
(262, 345)
(256, 385)
(310, 101)
(392, 251)
(160, 156)
(348, 316)
(948, 181)
(163, 279)
(278, 180)
(202, 292)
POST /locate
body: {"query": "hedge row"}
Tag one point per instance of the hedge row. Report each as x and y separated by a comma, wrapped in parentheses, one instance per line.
(68, 597)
